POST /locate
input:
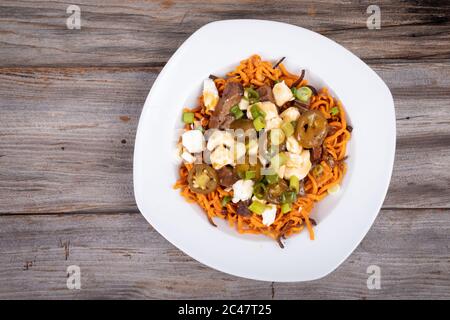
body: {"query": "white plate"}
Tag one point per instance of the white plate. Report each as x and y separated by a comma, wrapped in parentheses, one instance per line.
(344, 219)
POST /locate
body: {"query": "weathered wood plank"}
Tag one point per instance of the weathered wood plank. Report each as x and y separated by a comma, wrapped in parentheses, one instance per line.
(67, 134)
(67, 137)
(121, 256)
(403, 244)
(34, 33)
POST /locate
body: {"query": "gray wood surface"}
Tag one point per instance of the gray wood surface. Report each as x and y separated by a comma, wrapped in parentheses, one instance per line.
(70, 101)
(121, 256)
(71, 150)
(148, 32)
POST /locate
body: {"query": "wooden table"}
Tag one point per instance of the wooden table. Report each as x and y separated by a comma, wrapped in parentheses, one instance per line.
(70, 101)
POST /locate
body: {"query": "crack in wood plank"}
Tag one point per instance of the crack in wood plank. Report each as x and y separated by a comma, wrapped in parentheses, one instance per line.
(66, 246)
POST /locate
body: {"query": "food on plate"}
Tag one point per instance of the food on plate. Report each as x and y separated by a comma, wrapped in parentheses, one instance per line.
(261, 148)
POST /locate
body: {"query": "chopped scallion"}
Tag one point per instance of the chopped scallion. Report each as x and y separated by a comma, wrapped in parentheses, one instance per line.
(188, 117)
(225, 200)
(334, 111)
(272, 178)
(287, 128)
(278, 160)
(303, 94)
(259, 190)
(250, 175)
(257, 207)
(294, 183)
(237, 112)
(256, 111)
(286, 207)
(288, 197)
(252, 95)
(259, 123)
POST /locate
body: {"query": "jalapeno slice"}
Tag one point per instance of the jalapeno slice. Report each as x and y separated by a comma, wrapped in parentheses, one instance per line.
(242, 168)
(202, 179)
(275, 191)
(244, 124)
(311, 130)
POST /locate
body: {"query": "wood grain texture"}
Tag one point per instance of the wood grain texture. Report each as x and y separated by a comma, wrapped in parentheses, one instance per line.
(67, 137)
(121, 256)
(34, 33)
(64, 138)
(70, 101)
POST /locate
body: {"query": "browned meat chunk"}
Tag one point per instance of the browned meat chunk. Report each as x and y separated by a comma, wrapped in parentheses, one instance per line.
(227, 176)
(265, 94)
(316, 154)
(332, 130)
(242, 208)
(221, 117)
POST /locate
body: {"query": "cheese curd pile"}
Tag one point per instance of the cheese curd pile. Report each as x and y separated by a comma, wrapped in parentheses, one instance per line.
(251, 152)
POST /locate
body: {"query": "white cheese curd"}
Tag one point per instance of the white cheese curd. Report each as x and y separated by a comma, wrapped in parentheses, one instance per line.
(297, 165)
(254, 198)
(224, 149)
(290, 114)
(267, 107)
(218, 138)
(293, 159)
(292, 145)
(263, 160)
(187, 157)
(239, 150)
(274, 123)
(253, 147)
(281, 171)
(210, 94)
(269, 214)
(242, 190)
(282, 93)
(299, 172)
(178, 152)
(243, 104)
(220, 157)
(193, 141)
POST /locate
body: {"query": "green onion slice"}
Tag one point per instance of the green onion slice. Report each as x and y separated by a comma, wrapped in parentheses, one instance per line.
(287, 128)
(278, 160)
(256, 111)
(259, 123)
(288, 197)
(286, 207)
(303, 94)
(252, 95)
(225, 200)
(250, 175)
(259, 190)
(294, 183)
(334, 111)
(236, 112)
(257, 207)
(188, 117)
(272, 178)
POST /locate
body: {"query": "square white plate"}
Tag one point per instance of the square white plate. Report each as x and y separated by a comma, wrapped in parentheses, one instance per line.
(343, 219)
